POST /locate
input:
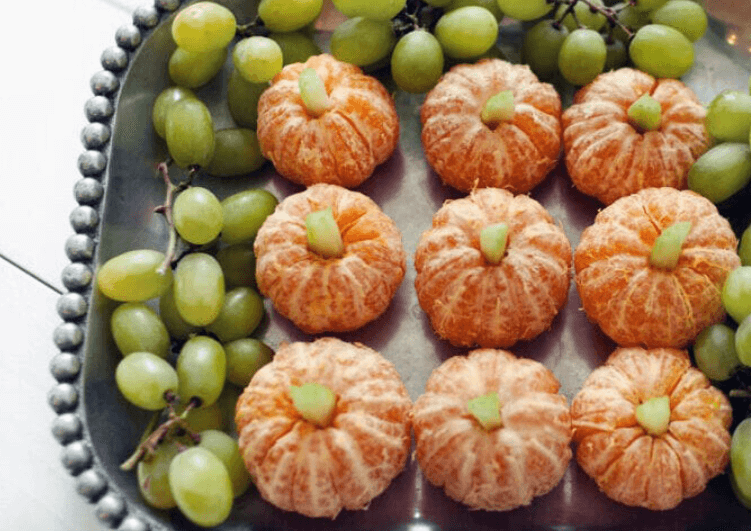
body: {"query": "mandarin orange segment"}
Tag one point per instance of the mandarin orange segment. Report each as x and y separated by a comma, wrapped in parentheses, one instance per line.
(627, 463)
(298, 466)
(608, 157)
(466, 154)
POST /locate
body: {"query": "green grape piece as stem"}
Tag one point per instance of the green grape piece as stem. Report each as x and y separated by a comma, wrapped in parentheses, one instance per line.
(499, 108)
(654, 415)
(486, 409)
(315, 402)
(645, 113)
(666, 250)
(324, 237)
(493, 241)
(313, 92)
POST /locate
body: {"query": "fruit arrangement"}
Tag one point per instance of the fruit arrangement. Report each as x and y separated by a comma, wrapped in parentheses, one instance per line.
(191, 315)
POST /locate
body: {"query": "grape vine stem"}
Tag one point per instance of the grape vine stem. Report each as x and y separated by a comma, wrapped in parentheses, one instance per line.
(166, 209)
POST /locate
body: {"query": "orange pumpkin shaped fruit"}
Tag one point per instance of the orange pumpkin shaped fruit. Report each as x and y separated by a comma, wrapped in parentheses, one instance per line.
(651, 430)
(475, 298)
(627, 131)
(324, 121)
(324, 427)
(491, 123)
(492, 430)
(320, 290)
(625, 284)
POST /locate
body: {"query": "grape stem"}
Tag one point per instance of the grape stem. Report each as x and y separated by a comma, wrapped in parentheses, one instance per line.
(609, 13)
(255, 27)
(166, 209)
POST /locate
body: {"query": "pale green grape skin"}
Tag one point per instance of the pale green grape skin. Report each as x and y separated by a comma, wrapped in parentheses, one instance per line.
(177, 327)
(244, 357)
(238, 263)
(490, 5)
(204, 26)
(227, 402)
(134, 276)
(617, 55)
(236, 153)
(417, 62)
(715, 353)
(736, 293)
(632, 18)
(197, 214)
(381, 10)
(362, 42)
(242, 99)
(257, 59)
(201, 486)
(661, 51)
(466, 32)
(144, 378)
(297, 47)
(163, 103)
(729, 116)
(585, 16)
(686, 16)
(153, 475)
(240, 315)
(582, 56)
(744, 247)
(649, 5)
(199, 288)
(525, 9)
(192, 69)
(743, 341)
(722, 171)
(244, 213)
(740, 458)
(189, 132)
(137, 328)
(288, 15)
(541, 45)
(205, 418)
(227, 450)
(201, 370)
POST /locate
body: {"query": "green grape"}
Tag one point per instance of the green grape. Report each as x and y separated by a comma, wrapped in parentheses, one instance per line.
(736, 293)
(227, 402)
(164, 102)
(466, 32)
(201, 486)
(617, 56)
(632, 18)
(584, 15)
(288, 15)
(740, 459)
(244, 357)
(242, 100)
(729, 116)
(257, 59)
(226, 449)
(199, 288)
(238, 264)
(648, 5)
(177, 327)
(743, 341)
(153, 475)
(205, 418)
(204, 26)
(372, 9)
(744, 247)
(661, 51)
(715, 353)
(686, 16)
(236, 152)
(722, 171)
(297, 47)
(195, 69)
(244, 213)
(134, 276)
(137, 328)
(490, 5)
(525, 9)
(417, 62)
(144, 378)
(201, 370)
(361, 41)
(241, 313)
(197, 214)
(189, 131)
(582, 56)
(541, 45)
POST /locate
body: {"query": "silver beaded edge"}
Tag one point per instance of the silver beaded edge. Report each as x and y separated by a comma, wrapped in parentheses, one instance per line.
(68, 428)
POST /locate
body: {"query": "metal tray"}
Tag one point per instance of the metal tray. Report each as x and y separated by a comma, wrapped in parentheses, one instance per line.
(117, 195)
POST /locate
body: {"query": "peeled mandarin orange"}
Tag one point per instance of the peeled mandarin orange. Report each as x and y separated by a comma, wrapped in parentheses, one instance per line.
(636, 303)
(516, 153)
(500, 468)
(471, 301)
(318, 471)
(629, 463)
(607, 156)
(358, 131)
(335, 294)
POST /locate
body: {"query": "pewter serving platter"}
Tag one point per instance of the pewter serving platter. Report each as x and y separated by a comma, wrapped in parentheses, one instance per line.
(117, 194)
